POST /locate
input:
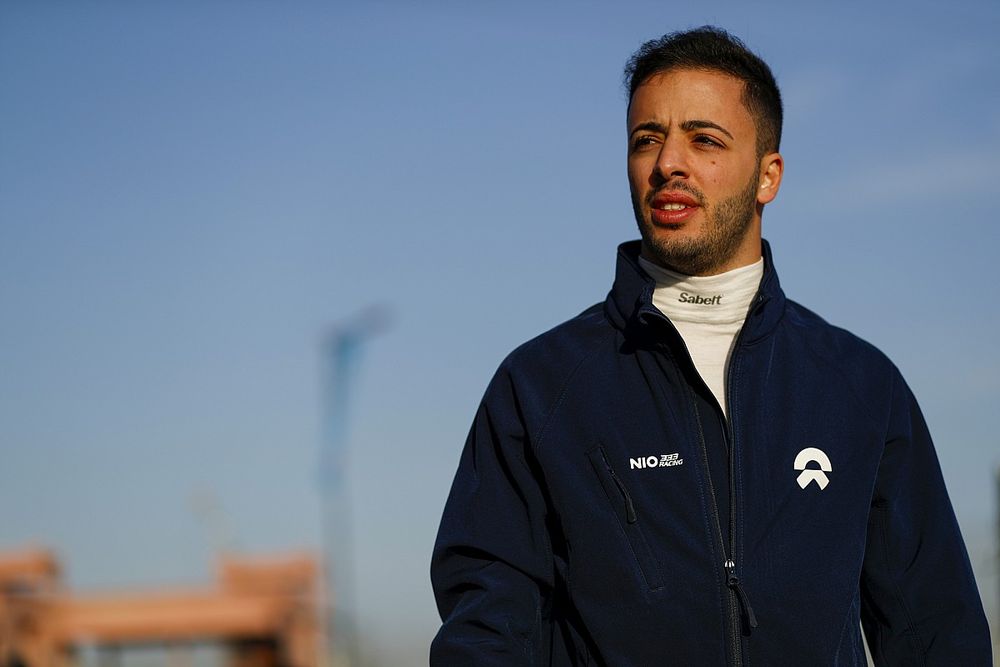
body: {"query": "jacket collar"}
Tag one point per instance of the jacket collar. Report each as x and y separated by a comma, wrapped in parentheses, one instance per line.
(630, 303)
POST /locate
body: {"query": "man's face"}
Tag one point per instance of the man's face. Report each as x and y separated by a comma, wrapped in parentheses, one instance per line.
(697, 184)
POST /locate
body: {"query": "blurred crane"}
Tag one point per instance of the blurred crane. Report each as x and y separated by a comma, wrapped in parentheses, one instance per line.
(341, 356)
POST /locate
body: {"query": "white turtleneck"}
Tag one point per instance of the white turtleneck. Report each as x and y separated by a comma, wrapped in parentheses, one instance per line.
(708, 312)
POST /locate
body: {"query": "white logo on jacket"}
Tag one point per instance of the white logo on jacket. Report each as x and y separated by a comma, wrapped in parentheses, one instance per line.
(661, 461)
(813, 455)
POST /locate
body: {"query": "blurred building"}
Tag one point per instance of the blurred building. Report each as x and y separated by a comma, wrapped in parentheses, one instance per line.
(264, 611)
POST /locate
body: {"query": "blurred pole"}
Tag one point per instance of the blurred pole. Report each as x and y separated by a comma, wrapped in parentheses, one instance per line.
(341, 356)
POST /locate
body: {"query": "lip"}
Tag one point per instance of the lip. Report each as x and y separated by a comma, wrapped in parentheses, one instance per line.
(662, 217)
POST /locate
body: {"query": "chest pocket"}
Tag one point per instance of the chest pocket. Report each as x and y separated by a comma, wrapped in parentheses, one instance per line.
(627, 515)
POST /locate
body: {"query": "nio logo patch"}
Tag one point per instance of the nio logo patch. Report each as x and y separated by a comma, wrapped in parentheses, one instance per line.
(702, 300)
(813, 455)
(661, 461)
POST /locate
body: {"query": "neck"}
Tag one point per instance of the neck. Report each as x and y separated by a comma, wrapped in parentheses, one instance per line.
(745, 252)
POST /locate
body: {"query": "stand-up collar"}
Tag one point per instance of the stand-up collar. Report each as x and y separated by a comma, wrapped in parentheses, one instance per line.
(630, 303)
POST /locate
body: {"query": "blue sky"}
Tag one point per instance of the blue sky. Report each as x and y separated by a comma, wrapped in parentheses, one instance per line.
(191, 194)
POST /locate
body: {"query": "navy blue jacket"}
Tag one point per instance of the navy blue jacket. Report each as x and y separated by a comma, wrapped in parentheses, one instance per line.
(606, 513)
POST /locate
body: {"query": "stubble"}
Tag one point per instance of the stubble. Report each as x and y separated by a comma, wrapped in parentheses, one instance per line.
(726, 227)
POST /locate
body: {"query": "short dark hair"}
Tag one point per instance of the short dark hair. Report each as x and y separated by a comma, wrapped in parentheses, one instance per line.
(711, 48)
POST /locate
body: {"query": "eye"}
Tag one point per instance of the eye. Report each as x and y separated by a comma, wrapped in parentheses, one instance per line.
(642, 141)
(706, 140)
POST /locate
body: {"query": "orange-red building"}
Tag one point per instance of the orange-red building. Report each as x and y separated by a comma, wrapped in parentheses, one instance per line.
(265, 611)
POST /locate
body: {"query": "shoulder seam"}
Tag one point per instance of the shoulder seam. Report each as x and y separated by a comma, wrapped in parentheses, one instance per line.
(539, 437)
(836, 368)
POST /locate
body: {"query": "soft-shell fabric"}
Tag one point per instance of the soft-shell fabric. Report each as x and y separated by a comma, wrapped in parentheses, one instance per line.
(601, 493)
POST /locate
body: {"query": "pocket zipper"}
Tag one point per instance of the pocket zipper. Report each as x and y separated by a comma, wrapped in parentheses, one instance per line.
(630, 514)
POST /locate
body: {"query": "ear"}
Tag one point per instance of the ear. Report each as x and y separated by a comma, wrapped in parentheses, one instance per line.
(771, 166)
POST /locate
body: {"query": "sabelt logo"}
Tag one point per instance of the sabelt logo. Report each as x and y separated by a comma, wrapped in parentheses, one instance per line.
(701, 300)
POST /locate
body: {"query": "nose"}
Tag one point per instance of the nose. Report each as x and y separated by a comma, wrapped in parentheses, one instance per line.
(671, 162)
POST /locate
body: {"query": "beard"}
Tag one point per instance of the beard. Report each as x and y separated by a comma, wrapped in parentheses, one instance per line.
(725, 229)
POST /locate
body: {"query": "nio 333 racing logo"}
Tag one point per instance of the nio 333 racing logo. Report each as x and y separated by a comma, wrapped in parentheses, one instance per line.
(661, 461)
(813, 455)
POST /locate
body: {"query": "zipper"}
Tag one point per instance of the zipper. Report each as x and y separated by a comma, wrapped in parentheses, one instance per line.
(745, 615)
(734, 583)
(732, 603)
(739, 602)
(732, 580)
(630, 514)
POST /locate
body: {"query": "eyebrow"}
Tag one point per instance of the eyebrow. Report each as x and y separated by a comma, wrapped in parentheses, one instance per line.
(650, 125)
(687, 126)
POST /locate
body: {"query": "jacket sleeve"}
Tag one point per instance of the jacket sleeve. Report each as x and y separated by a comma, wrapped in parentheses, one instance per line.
(920, 604)
(492, 569)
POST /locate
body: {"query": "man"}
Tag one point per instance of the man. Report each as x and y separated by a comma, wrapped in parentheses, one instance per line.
(699, 471)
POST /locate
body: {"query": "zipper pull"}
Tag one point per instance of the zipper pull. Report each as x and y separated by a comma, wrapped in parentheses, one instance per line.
(734, 583)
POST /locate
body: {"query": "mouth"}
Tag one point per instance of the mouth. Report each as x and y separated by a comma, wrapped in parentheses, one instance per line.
(673, 207)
